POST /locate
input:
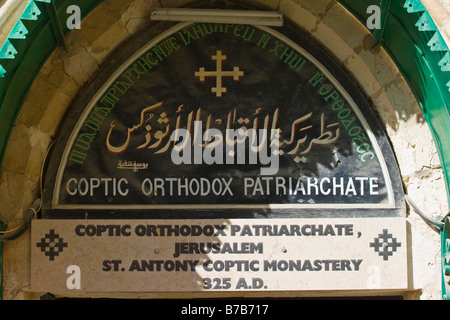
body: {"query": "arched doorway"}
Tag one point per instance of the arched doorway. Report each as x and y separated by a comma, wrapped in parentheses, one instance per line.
(98, 54)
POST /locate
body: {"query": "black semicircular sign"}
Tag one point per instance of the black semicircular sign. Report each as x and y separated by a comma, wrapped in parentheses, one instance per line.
(218, 120)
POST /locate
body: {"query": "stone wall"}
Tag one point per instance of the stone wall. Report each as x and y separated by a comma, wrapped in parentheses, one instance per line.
(113, 22)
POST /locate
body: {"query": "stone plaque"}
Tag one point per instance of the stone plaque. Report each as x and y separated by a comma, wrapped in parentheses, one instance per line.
(221, 157)
(218, 255)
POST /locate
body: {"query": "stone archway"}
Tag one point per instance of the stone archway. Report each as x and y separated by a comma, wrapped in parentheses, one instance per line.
(112, 23)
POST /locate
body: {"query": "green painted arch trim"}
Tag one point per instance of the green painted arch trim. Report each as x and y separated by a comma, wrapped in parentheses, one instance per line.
(23, 53)
(409, 35)
(415, 44)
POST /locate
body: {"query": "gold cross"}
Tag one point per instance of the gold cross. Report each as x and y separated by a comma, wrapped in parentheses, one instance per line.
(219, 90)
